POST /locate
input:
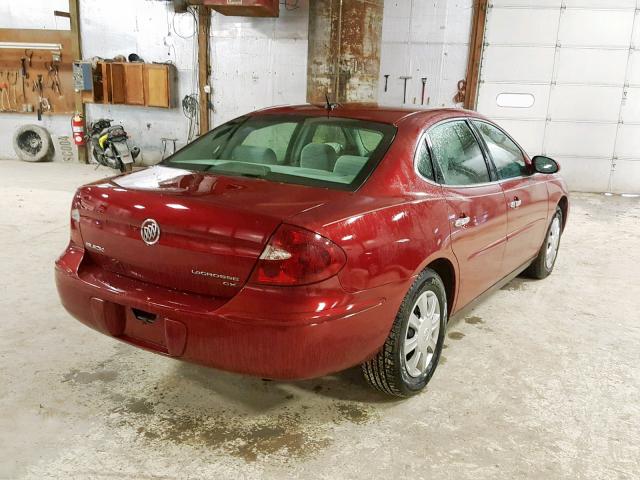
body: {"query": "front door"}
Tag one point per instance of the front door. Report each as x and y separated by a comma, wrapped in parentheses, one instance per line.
(477, 207)
(525, 194)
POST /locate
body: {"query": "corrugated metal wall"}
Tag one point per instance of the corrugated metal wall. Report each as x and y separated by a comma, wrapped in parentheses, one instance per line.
(579, 62)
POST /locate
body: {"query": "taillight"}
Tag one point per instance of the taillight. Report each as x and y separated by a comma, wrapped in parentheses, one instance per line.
(295, 256)
(76, 238)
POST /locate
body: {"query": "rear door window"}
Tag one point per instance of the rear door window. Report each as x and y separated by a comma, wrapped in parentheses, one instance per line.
(458, 155)
(423, 161)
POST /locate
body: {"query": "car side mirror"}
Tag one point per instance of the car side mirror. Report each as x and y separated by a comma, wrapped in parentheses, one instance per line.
(542, 164)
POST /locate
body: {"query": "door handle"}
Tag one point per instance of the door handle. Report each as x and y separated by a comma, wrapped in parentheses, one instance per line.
(462, 221)
(516, 203)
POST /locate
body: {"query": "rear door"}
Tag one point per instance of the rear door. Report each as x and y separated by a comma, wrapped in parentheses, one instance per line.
(477, 207)
(526, 196)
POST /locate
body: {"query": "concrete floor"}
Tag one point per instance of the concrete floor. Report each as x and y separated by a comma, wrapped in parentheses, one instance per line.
(540, 381)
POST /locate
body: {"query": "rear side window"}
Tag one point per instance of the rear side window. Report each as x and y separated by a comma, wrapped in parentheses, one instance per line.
(423, 160)
(506, 155)
(306, 150)
(457, 154)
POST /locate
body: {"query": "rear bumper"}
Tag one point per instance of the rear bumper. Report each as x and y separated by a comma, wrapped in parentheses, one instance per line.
(279, 333)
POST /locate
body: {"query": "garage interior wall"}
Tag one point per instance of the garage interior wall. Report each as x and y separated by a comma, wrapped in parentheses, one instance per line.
(112, 28)
(575, 67)
(424, 39)
(258, 62)
(255, 62)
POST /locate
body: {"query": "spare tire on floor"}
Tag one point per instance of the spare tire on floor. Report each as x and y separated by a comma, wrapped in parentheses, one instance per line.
(32, 143)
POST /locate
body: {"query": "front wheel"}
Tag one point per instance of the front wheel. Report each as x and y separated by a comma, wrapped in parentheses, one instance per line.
(543, 265)
(410, 355)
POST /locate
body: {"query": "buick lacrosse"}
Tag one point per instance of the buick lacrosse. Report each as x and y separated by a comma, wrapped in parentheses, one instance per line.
(295, 242)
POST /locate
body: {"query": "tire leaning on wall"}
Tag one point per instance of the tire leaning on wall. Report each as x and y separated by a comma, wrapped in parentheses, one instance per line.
(32, 143)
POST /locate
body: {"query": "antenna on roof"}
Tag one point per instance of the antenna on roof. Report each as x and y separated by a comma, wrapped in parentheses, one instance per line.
(329, 106)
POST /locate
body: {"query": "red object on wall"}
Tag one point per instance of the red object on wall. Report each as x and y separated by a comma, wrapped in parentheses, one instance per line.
(77, 128)
(245, 8)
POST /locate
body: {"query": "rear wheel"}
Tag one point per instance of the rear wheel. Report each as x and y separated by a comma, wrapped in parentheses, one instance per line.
(543, 265)
(410, 355)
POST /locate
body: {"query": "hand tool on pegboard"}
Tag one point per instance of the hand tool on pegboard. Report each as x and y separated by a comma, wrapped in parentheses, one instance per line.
(386, 82)
(5, 101)
(12, 80)
(43, 103)
(54, 77)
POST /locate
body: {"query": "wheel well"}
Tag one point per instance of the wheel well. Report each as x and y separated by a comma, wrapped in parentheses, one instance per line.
(444, 268)
(564, 206)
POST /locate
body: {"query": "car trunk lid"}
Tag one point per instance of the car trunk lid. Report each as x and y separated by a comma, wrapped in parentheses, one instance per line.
(212, 229)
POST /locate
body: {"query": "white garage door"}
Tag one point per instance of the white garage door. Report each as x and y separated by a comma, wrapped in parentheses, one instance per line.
(564, 77)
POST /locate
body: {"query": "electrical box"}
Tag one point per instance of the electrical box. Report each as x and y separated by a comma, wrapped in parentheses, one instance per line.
(82, 76)
(245, 8)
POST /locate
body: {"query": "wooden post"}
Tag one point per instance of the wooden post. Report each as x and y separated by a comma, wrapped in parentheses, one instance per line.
(76, 51)
(204, 66)
(475, 53)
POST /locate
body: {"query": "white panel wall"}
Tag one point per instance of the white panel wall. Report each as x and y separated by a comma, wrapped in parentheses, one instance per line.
(424, 39)
(28, 15)
(579, 59)
(255, 62)
(108, 29)
(259, 62)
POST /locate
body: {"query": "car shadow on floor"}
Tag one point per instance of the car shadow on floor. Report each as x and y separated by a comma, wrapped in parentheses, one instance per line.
(262, 394)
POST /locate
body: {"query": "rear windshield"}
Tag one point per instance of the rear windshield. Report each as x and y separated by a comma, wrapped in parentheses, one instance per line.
(318, 151)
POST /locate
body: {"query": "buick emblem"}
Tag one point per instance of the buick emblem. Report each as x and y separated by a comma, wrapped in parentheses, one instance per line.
(150, 231)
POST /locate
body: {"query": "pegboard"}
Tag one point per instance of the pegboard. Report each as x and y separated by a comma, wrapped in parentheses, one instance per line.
(14, 95)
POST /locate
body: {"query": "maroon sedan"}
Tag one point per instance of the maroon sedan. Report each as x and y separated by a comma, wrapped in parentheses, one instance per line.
(296, 242)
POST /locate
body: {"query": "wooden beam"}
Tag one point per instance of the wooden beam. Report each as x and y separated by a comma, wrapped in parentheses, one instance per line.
(204, 66)
(76, 51)
(475, 53)
(58, 13)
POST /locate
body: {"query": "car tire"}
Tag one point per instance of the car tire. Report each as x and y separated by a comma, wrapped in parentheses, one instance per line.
(32, 143)
(392, 370)
(544, 263)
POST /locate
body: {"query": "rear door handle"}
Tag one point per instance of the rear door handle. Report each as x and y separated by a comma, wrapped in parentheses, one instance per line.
(516, 203)
(462, 221)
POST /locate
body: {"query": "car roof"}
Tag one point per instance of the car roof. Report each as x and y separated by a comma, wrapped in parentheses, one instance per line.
(370, 112)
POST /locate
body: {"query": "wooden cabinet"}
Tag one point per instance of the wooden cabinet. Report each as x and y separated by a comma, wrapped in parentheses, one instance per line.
(143, 84)
(134, 84)
(157, 85)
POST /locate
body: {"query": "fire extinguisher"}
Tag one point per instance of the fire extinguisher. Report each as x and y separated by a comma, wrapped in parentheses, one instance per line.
(77, 127)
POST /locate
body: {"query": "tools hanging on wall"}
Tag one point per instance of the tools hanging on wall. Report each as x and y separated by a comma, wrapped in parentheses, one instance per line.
(404, 95)
(424, 89)
(35, 75)
(425, 99)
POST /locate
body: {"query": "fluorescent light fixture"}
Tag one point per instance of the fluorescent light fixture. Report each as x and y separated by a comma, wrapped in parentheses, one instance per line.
(54, 47)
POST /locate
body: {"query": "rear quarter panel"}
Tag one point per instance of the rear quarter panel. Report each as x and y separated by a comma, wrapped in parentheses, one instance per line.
(390, 244)
(394, 225)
